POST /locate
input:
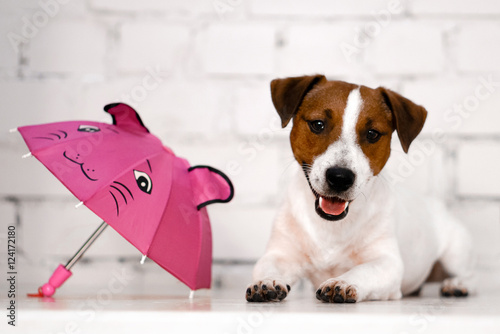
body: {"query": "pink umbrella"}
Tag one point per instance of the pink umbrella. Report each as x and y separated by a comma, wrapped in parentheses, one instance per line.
(125, 175)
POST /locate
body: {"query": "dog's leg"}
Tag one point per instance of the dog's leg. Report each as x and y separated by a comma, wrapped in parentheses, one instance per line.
(379, 278)
(272, 276)
(458, 261)
(282, 264)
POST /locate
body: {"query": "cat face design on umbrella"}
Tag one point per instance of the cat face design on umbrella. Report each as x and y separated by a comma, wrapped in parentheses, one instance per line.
(138, 186)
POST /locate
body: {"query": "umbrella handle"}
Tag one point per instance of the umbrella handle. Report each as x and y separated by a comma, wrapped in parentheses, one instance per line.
(62, 273)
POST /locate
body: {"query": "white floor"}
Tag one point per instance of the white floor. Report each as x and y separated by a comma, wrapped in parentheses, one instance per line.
(226, 311)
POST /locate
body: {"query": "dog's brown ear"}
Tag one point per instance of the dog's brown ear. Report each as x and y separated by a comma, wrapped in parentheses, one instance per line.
(408, 118)
(288, 93)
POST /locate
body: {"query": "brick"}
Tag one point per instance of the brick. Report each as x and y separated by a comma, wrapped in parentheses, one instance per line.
(317, 7)
(423, 169)
(482, 220)
(433, 7)
(9, 43)
(55, 48)
(94, 278)
(144, 44)
(464, 106)
(19, 8)
(174, 6)
(240, 232)
(22, 177)
(232, 275)
(16, 8)
(95, 95)
(477, 47)
(55, 229)
(407, 48)
(255, 113)
(310, 49)
(186, 109)
(237, 49)
(477, 172)
(35, 102)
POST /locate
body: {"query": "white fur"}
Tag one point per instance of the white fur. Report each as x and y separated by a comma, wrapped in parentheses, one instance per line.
(344, 152)
(385, 246)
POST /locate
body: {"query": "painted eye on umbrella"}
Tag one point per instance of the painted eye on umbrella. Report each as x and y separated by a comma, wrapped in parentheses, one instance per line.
(143, 181)
(88, 128)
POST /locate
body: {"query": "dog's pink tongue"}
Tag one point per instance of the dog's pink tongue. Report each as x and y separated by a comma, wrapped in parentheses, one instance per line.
(332, 206)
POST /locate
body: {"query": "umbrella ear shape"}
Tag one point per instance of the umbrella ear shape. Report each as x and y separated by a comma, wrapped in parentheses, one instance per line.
(125, 117)
(210, 185)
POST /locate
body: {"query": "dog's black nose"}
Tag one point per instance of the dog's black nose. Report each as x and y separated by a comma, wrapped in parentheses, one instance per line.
(339, 179)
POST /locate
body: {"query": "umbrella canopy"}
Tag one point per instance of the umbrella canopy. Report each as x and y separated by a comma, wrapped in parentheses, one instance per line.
(125, 175)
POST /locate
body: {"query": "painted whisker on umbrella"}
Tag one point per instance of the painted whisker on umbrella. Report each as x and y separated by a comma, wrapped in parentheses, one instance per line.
(126, 188)
(116, 202)
(121, 193)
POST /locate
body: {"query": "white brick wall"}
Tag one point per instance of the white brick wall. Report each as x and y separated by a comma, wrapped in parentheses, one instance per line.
(69, 46)
(198, 72)
(314, 8)
(458, 105)
(153, 6)
(443, 7)
(477, 169)
(299, 54)
(478, 46)
(237, 48)
(9, 55)
(156, 45)
(407, 48)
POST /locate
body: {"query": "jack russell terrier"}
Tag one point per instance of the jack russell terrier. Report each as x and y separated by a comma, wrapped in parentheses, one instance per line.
(342, 225)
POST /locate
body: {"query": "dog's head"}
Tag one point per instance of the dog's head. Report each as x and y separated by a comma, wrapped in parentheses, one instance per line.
(342, 133)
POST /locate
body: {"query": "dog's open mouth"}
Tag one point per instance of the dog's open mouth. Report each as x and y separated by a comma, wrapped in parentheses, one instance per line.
(331, 208)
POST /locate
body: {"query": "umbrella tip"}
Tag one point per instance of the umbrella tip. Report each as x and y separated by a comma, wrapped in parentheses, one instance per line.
(191, 294)
(27, 155)
(78, 205)
(13, 130)
(143, 259)
(38, 294)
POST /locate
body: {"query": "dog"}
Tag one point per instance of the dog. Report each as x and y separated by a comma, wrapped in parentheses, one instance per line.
(342, 225)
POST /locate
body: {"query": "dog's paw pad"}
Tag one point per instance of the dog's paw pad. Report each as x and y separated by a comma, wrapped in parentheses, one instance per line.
(334, 291)
(453, 288)
(267, 291)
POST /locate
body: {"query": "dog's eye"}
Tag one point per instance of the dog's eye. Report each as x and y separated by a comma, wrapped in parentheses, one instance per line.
(316, 126)
(373, 136)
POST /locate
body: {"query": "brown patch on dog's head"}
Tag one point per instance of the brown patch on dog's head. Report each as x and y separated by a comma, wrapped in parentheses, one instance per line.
(326, 103)
(374, 116)
(310, 99)
(408, 117)
(287, 94)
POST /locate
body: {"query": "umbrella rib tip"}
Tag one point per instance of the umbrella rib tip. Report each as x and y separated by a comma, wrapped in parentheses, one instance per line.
(13, 130)
(78, 205)
(27, 155)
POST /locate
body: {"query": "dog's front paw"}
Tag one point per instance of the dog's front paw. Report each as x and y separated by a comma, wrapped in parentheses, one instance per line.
(335, 291)
(452, 287)
(267, 291)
